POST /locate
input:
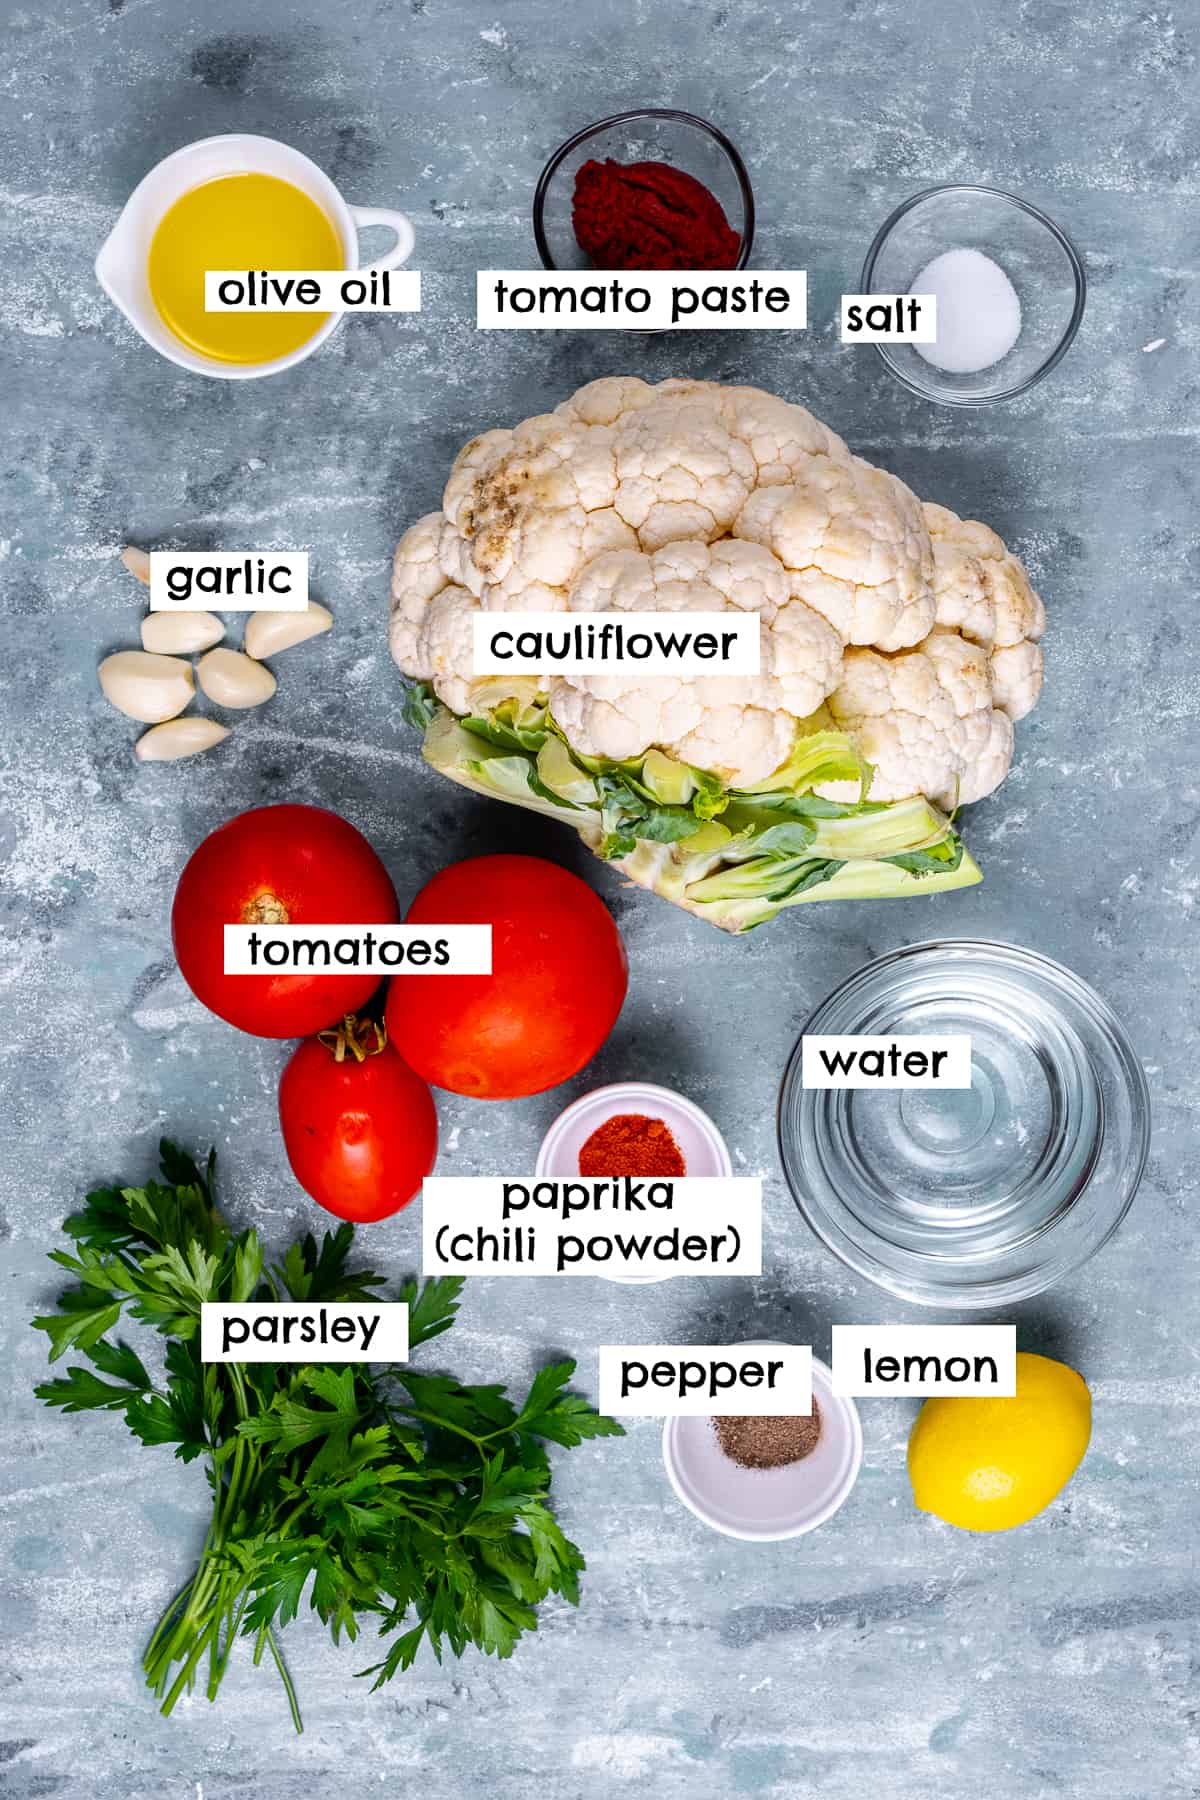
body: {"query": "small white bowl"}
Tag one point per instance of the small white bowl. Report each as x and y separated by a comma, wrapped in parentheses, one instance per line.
(762, 1505)
(701, 1144)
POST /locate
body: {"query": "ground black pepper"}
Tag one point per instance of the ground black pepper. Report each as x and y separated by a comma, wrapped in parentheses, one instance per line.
(769, 1442)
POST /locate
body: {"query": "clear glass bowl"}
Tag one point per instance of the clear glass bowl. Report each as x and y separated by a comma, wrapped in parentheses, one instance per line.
(1038, 258)
(979, 1196)
(648, 134)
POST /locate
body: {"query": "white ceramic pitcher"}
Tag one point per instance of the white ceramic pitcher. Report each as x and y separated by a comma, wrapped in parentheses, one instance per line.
(123, 262)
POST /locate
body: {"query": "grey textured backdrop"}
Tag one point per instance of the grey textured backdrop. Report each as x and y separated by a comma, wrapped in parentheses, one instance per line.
(886, 1654)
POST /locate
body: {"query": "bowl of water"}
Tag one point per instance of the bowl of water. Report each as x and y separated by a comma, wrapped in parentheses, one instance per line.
(978, 1196)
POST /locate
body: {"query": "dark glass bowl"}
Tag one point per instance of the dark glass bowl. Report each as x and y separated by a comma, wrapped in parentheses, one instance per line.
(648, 134)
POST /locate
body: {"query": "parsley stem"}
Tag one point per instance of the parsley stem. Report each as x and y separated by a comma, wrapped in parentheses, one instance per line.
(186, 1633)
(414, 1412)
(289, 1690)
(187, 1673)
(168, 1617)
(236, 1609)
(289, 1518)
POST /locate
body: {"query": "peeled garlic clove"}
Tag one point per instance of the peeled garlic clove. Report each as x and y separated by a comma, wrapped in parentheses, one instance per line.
(147, 687)
(137, 562)
(181, 633)
(233, 679)
(267, 633)
(179, 737)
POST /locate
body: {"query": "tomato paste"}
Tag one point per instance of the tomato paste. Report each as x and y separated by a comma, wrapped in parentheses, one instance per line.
(648, 215)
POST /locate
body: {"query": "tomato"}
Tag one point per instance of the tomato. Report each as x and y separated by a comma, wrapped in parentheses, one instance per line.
(361, 1136)
(279, 865)
(558, 980)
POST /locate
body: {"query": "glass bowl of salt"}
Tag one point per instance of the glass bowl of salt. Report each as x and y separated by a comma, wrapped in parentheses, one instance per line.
(1010, 289)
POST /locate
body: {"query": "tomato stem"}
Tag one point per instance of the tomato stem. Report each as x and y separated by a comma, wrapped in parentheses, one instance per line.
(265, 909)
(351, 1035)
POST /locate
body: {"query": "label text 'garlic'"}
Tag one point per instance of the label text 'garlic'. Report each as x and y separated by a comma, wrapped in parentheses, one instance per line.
(229, 580)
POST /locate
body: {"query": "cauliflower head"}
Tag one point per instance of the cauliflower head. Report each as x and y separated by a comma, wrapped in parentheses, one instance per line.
(907, 635)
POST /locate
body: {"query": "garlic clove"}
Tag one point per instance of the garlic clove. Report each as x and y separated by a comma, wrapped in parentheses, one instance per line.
(267, 633)
(181, 633)
(179, 737)
(146, 687)
(137, 562)
(233, 679)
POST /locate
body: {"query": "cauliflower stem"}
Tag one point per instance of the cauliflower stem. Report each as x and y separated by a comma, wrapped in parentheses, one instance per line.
(736, 857)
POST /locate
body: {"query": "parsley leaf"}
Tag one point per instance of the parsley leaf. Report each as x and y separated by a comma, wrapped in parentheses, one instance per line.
(432, 1310)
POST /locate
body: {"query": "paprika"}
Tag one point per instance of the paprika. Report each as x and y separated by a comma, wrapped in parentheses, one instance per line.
(631, 1144)
(648, 215)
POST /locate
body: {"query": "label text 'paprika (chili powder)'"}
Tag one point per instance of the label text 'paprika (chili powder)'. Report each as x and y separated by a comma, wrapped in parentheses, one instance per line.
(631, 1144)
(648, 215)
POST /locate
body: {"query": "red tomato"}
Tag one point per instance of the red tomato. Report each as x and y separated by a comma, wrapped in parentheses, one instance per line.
(558, 979)
(278, 865)
(361, 1136)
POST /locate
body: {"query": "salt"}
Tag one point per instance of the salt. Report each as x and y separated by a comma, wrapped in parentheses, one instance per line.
(978, 312)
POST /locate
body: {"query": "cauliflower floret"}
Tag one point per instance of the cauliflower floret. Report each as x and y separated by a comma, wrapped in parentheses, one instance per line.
(981, 589)
(781, 437)
(984, 596)
(987, 753)
(616, 716)
(926, 720)
(873, 686)
(963, 670)
(418, 573)
(534, 597)
(855, 543)
(674, 579)
(605, 401)
(442, 652)
(1017, 677)
(801, 660)
(680, 473)
(738, 743)
(740, 727)
(962, 596)
(589, 535)
(521, 501)
(960, 762)
(749, 577)
(909, 753)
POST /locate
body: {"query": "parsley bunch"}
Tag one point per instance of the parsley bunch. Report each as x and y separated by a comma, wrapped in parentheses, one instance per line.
(402, 1498)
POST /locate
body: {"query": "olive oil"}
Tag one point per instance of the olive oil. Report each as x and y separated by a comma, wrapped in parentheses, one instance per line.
(238, 222)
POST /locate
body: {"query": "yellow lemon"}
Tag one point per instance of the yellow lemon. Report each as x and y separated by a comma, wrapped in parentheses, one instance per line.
(988, 1464)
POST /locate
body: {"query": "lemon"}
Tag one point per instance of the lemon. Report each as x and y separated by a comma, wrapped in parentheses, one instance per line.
(988, 1464)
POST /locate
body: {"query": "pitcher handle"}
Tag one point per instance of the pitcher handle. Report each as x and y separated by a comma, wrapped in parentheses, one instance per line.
(398, 222)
